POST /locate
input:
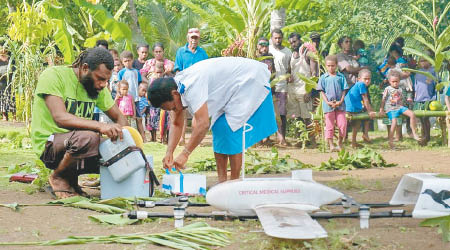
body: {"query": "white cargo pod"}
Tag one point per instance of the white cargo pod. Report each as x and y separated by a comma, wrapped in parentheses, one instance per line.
(429, 192)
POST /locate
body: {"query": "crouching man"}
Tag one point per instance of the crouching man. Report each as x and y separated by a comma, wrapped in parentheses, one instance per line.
(63, 134)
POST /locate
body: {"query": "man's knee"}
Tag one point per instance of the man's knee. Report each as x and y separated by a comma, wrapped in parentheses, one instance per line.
(83, 143)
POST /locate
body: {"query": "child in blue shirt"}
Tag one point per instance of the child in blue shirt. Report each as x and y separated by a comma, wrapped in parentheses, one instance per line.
(425, 92)
(333, 87)
(353, 103)
(143, 106)
(133, 77)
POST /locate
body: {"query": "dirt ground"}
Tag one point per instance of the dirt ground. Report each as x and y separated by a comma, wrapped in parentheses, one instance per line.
(374, 185)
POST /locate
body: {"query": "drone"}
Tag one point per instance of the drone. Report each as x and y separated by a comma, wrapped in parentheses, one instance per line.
(288, 207)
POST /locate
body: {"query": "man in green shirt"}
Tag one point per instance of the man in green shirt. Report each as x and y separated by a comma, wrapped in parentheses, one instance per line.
(63, 133)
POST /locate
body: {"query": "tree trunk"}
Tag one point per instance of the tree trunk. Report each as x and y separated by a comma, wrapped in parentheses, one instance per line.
(137, 33)
(277, 19)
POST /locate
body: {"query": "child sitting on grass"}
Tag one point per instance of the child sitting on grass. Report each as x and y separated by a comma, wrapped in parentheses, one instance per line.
(333, 87)
(125, 101)
(392, 104)
(357, 94)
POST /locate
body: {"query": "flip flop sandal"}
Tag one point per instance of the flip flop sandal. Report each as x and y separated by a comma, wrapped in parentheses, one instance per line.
(49, 190)
(80, 191)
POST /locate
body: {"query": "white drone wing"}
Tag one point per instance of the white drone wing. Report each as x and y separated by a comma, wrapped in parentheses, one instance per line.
(289, 221)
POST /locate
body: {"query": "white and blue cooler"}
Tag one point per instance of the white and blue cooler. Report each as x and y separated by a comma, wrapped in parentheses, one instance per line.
(126, 173)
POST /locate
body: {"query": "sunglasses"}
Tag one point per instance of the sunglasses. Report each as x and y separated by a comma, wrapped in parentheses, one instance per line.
(263, 43)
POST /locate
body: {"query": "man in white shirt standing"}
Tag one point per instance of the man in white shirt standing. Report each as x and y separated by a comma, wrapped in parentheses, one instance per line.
(232, 91)
(282, 58)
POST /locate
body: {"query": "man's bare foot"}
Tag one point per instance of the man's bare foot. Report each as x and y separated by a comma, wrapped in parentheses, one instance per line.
(366, 139)
(61, 187)
(391, 145)
(356, 145)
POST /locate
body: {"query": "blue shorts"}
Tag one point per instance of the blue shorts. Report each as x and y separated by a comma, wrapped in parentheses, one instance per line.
(396, 113)
(225, 141)
(136, 105)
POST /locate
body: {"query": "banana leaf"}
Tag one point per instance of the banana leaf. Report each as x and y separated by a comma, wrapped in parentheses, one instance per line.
(118, 202)
(97, 207)
(194, 236)
(443, 223)
(112, 219)
(69, 200)
(14, 206)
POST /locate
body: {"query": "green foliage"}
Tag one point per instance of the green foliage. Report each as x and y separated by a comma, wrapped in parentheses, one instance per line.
(443, 223)
(117, 30)
(363, 158)
(298, 130)
(28, 64)
(256, 163)
(435, 38)
(273, 163)
(375, 96)
(197, 235)
(159, 24)
(235, 20)
(29, 24)
(206, 165)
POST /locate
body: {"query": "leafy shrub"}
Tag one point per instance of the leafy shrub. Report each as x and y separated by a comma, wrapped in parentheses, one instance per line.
(363, 158)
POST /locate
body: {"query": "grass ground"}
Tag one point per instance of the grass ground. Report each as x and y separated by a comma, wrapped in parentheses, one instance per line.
(371, 185)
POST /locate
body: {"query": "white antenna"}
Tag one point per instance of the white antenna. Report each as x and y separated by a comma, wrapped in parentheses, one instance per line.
(244, 130)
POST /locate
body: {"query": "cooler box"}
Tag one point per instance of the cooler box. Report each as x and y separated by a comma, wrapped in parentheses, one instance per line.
(125, 177)
(126, 165)
(191, 184)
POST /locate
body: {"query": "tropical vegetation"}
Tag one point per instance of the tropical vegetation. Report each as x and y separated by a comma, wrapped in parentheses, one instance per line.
(38, 32)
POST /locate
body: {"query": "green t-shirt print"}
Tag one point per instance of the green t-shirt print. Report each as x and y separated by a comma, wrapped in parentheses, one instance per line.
(61, 81)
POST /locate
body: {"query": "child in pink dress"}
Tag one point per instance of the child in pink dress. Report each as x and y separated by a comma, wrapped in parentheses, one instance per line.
(125, 101)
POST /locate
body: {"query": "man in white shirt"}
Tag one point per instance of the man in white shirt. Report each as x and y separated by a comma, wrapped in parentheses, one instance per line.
(282, 58)
(232, 91)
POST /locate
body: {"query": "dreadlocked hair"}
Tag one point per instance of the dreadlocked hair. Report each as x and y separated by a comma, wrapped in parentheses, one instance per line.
(93, 58)
(79, 59)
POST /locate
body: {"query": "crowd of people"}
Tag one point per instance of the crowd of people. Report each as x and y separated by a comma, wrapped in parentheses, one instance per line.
(343, 86)
(293, 98)
(132, 77)
(104, 90)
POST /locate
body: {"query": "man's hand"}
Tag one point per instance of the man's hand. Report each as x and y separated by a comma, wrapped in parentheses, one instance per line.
(168, 161)
(113, 131)
(372, 115)
(180, 161)
(381, 112)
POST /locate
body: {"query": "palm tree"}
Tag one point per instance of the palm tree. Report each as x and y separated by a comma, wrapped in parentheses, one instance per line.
(169, 28)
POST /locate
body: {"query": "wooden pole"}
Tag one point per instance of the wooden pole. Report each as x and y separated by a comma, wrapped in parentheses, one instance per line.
(418, 113)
